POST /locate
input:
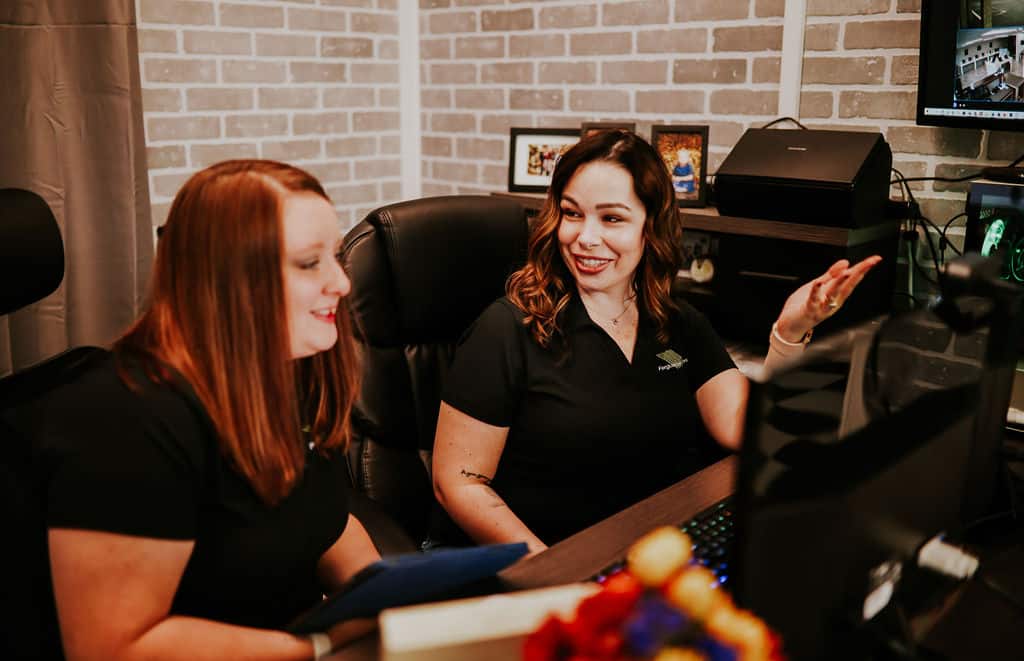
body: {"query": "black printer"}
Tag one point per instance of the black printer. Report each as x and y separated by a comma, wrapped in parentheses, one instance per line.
(831, 178)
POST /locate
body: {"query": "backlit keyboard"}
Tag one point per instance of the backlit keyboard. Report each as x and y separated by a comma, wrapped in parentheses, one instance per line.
(711, 532)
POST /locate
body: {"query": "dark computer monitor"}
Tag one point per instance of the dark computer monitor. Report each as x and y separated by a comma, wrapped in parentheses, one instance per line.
(853, 458)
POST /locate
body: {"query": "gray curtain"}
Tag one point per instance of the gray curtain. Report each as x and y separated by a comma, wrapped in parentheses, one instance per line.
(71, 130)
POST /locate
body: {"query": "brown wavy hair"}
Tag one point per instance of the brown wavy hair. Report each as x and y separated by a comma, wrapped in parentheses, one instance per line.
(216, 316)
(543, 286)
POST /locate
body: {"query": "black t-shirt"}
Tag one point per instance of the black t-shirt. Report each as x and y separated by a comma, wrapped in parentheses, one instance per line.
(589, 432)
(147, 463)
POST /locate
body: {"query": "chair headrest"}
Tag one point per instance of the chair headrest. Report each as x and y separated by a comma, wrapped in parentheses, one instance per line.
(31, 249)
(423, 270)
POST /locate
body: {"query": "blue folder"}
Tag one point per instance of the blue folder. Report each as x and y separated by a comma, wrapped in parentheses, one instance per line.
(407, 579)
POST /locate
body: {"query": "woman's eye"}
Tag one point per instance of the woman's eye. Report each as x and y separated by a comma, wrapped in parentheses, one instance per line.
(570, 213)
(340, 256)
(309, 264)
(613, 219)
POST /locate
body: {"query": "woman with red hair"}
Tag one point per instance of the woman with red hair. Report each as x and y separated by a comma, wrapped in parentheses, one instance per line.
(196, 478)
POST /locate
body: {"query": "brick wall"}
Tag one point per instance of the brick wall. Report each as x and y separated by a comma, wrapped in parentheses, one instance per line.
(312, 82)
(488, 65)
(316, 82)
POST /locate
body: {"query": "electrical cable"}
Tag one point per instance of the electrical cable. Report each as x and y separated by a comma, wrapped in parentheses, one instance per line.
(931, 248)
(945, 228)
(954, 180)
(1016, 161)
(899, 175)
(784, 119)
(940, 257)
(915, 211)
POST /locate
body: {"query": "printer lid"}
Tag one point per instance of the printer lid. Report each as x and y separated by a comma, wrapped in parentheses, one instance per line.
(806, 155)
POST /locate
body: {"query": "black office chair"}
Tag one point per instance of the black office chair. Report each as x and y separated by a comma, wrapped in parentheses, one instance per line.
(421, 272)
(31, 268)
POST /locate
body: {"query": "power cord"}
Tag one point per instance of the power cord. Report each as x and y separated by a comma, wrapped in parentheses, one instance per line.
(784, 119)
(944, 241)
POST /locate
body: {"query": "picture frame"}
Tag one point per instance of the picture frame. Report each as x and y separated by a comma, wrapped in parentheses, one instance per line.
(586, 128)
(684, 149)
(533, 153)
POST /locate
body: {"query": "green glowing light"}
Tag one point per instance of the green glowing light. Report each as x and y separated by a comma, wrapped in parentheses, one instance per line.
(993, 235)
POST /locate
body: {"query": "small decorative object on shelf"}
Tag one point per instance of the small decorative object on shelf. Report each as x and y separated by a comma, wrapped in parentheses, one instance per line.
(661, 607)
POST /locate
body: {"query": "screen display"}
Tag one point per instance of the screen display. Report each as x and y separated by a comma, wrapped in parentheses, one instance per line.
(971, 71)
(995, 225)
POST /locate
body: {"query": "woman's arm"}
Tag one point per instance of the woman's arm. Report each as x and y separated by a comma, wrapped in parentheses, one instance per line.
(466, 454)
(353, 551)
(114, 595)
(820, 298)
(722, 402)
(811, 304)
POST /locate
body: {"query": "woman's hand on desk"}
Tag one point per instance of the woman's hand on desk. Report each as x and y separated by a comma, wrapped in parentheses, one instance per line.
(820, 298)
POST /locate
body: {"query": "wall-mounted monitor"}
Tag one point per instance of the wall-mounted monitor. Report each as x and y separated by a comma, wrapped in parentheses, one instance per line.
(971, 72)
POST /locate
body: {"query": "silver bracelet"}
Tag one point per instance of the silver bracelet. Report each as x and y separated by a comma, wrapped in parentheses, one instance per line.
(322, 645)
(803, 340)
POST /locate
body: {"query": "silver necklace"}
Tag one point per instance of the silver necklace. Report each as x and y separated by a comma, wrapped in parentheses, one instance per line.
(615, 319)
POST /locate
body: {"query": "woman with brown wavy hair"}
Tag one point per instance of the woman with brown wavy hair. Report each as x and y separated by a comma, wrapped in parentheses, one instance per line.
(196, 500)
(583, 390)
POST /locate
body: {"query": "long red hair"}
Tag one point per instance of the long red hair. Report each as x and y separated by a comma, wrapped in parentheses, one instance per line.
(216, 315)
(543, 286)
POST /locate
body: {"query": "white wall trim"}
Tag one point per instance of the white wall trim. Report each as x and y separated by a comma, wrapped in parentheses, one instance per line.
(409, 94)
(792, 58)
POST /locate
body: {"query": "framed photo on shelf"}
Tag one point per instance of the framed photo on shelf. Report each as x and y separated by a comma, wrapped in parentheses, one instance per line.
(533, 153)
(586, 128)
(684, 149)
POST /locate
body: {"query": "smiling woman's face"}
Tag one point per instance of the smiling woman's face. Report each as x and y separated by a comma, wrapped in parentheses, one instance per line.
(601, 231)
(314, 281)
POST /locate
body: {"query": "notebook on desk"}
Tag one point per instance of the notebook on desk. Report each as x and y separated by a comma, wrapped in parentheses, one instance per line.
(407, 579)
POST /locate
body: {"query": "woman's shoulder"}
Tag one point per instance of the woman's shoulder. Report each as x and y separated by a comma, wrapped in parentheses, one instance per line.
(687, 320)
(500, 313)
(118, 398)
(685, 312)
(500, 322)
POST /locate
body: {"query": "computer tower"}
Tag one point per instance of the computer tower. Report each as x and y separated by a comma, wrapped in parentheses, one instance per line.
(834, 178)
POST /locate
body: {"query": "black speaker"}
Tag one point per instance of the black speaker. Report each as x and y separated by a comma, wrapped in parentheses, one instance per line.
(835, 178)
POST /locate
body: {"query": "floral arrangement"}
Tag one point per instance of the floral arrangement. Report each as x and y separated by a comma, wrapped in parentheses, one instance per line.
(661, 606)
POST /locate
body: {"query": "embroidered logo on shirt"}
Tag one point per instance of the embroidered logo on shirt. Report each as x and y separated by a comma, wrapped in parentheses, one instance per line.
(673, 361)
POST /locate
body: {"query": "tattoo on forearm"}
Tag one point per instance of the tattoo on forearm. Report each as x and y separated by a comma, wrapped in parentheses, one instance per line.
(475, 476)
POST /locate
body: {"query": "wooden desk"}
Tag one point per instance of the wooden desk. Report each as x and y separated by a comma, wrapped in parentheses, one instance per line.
(589, 551)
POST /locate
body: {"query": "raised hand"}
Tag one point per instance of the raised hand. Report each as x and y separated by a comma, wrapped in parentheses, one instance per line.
(819, 299)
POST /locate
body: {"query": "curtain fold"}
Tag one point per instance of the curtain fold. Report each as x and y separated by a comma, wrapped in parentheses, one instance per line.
(71, 130)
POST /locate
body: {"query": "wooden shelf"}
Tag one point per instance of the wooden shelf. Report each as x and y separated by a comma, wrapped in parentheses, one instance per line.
(707, 219)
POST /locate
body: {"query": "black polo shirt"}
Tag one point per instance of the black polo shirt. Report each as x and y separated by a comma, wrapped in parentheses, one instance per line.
(589, 432)
(147, 462)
